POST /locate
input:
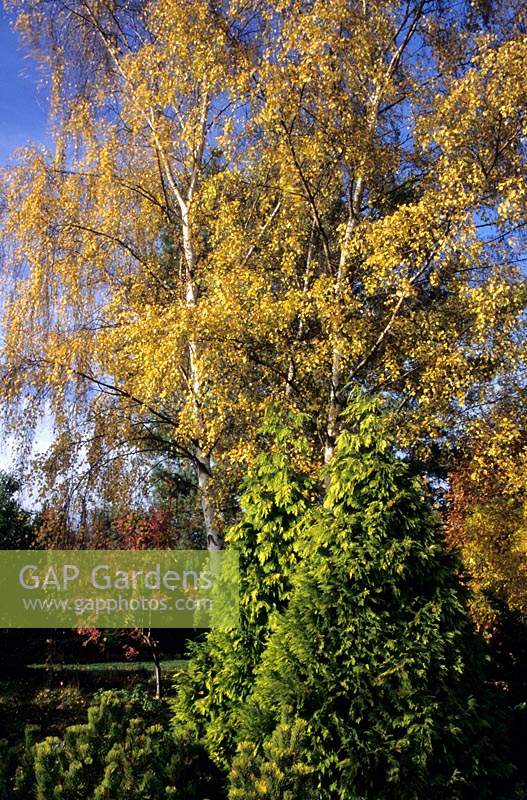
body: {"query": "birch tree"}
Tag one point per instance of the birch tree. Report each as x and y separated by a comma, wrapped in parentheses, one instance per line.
(261, 202)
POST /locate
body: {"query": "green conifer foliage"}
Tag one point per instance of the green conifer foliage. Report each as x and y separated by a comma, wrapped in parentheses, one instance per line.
(276, 496)
(125, 750)
(24, 780)
(281, 770)
(5, 763)
(373, 660)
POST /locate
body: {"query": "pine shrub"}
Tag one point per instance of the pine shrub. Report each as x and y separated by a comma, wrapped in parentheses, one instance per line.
(125, 750)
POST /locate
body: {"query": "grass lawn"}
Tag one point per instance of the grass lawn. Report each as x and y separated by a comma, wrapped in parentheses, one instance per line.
(111, 666)
(56, 696)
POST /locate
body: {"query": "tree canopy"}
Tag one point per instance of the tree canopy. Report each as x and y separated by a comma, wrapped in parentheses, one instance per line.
(252, 202)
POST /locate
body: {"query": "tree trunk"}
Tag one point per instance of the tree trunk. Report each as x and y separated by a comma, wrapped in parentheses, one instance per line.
(154, 652)
(157, 673)
(210, 518)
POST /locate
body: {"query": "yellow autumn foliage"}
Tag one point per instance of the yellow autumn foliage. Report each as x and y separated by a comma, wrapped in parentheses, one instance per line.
(251, 203)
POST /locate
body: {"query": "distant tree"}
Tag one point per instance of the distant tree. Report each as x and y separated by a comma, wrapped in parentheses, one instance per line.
(17, 532)
(17, 526)
(487, 512)
(139, 529)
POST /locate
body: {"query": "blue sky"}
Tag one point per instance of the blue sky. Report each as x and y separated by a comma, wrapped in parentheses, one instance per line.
(22, 102)
(22, 120)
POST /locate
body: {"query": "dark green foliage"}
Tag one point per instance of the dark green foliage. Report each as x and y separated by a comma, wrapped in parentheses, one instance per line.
(6, 759)
(174, 492)
(24, 782)
(276, 496)
(508, 651)
(16, 525)
(373, 662)
(125, 750)
(17, 532)
(17, 760)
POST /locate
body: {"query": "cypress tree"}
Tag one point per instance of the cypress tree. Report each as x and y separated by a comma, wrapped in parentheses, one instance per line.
(372, 683)
(276, 496)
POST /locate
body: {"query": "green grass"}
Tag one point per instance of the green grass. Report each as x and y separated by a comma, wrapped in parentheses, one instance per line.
(112, 666)
(55, 696)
